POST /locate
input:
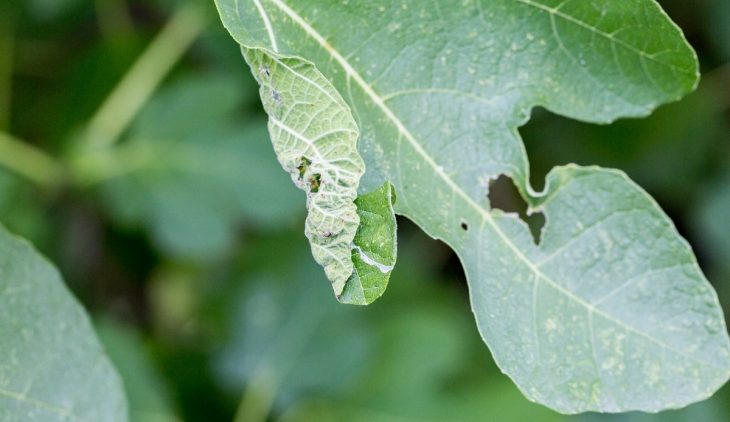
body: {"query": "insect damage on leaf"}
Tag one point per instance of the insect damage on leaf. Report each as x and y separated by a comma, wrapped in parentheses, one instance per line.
(609, 311)
(52, 364)
(374, 249)
(315, 138)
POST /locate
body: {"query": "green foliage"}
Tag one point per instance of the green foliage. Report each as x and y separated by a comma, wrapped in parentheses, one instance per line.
(314, 136)
(52, 367)
(135, 155)
(375, 250)
(606, 313)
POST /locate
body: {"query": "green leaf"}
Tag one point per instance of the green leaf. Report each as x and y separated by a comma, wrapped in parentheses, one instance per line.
(314, 136)
(53, 367)
(610, 311)
(374, 253)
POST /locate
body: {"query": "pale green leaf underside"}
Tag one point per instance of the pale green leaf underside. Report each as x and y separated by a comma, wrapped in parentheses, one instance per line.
(315, 139)
(610, 311)
(52, 367)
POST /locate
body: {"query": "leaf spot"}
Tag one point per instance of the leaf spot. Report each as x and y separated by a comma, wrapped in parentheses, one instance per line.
(276, 96)
(550, 325)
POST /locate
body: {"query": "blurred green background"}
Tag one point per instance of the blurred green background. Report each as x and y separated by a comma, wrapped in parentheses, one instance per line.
(160, 200)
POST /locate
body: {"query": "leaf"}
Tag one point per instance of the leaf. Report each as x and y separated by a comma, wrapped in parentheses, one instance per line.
(374, 254)
(53, 367)
(314, 137)
(610, 312)
(654, 151)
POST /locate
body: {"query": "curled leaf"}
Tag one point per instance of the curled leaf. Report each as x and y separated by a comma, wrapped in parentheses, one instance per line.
(374, 249)
(315, 139)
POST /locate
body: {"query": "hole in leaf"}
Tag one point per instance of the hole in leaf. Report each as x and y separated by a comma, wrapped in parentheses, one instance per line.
(464, 226)
(503, 195)
(314, 182)
(304, 163)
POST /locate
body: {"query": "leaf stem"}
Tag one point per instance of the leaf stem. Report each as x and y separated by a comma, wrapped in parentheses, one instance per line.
(145, 75)
(30, 162)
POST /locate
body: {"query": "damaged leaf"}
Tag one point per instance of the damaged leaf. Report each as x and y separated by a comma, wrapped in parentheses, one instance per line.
(610, 311)
(375, 248)
(315, 139)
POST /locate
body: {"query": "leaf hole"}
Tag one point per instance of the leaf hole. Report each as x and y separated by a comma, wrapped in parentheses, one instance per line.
(503, 195)
(314, 182)
(303, 166)
(464, 225)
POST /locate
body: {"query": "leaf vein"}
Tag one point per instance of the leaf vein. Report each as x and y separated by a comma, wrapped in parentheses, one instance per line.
(38, 403)
(556, 12)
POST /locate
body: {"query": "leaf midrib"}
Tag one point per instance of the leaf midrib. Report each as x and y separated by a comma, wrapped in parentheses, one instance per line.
(267, 24)
(486, 215)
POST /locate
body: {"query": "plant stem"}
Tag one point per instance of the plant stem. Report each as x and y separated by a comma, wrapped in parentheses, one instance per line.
(30, 162)
(120, 107)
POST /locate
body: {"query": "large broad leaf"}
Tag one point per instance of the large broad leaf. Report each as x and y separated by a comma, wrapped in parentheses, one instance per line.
(610, 311)
(53, 367)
